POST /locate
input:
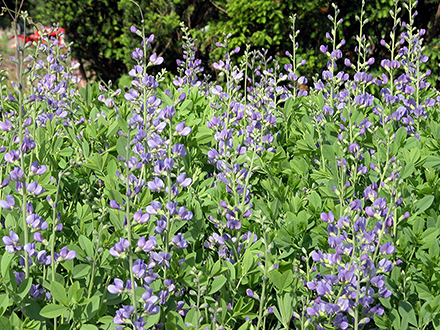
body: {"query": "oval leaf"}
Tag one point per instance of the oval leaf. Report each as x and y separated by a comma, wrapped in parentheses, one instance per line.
(51, 311)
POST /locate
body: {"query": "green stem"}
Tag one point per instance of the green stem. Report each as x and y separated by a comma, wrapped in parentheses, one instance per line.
(127, 214)
(263, 291)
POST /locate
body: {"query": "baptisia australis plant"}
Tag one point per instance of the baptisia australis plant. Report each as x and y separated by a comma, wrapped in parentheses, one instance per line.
(243, 128)
(32, 236)
(405, 102)
(351, 277)
(151, 160)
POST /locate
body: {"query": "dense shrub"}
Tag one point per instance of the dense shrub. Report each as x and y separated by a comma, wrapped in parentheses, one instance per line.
(249, 203)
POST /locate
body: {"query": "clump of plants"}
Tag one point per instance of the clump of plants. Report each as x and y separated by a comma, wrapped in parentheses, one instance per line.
(250, 203)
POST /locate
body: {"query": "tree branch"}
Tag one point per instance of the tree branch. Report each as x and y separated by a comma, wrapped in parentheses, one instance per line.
(218, 7)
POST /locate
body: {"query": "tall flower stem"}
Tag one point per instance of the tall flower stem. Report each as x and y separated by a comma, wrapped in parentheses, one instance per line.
(19, 57)
(52, 238)
(127, 214)
(263, 290)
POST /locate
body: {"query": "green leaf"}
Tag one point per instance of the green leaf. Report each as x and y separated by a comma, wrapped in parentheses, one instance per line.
(429, 236)
(282, 281)
(245, 326)
(81, 270)
(6, 262)
(51, 311)
(58, 292)
(66, 152)
(4, 302)
(315, 201)
(24, 287)
(423, 204)
(91, 309)
(231, 268)
(407, 312)
(432, 162)
(408, 170)
(204, 135)
(86, 245)
(73, 289)
(424, 292)
(191, 318)
(248, 261)
(121, 145)
(32, 309)
(217, 284)
(4, 323)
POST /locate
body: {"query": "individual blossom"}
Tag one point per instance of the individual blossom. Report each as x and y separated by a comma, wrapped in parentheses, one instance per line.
(120, 249)
(12, 242)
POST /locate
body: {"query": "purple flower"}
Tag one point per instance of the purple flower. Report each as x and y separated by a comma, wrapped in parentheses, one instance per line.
(34, 188)
(140, 217)
(43, 258)
(156, 60)
(65, 254)
(161, 258)
(233, 224)
(180, 241)
(123, 315)
(5, 126)
(120, 248)
(182, 181)
(147, 245)
(149, 302)
(11, 242)
(12, 156)
(7, 204)
(327, 217)
(115, 205)
(139, 268)
(156, 185)
(38, 170)
(183, 130)
(116, 288)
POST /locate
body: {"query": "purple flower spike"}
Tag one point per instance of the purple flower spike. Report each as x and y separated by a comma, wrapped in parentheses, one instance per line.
(7, 204)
